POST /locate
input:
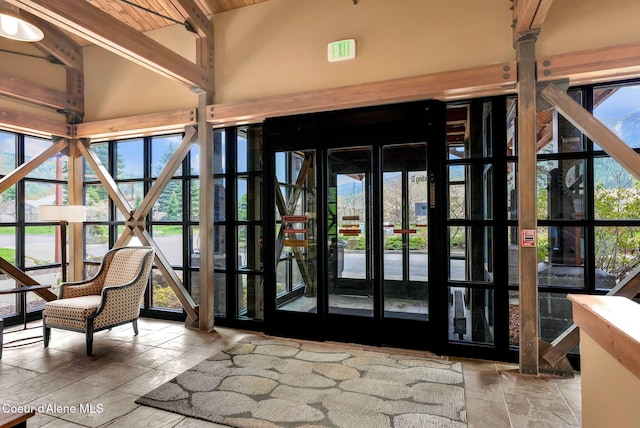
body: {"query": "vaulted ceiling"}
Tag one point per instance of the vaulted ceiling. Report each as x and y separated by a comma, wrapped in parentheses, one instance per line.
(148, 13)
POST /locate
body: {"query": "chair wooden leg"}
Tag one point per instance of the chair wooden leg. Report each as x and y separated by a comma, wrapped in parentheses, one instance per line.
(89, 337)
(1, 336)
(135, 326)
(46, 334)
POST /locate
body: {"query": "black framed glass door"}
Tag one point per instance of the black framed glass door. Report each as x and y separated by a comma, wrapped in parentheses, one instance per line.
(354, 221)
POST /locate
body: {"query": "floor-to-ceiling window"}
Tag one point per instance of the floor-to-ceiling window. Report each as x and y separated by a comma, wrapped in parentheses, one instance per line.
(25, 242)
(238, 223)
(135, 164)
(588, 234)
(588, 215)
(476, 232)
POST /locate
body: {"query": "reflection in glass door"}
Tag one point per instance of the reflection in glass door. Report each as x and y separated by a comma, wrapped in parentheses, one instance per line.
(354, 214)
(296, 231)
(350, 285)
(405, 206)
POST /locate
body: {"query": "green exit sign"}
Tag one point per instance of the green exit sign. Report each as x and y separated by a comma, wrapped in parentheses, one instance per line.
(341, 50)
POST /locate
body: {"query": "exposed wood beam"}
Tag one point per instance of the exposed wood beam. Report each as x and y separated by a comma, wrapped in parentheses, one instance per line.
(592, 65)
(33, 125)
(166, 175)
(529, 14)
(569, 339)
(59, 45)
(24, 90)
(527, 255)
(100, 28)
(196, 17)
(105, 178)
(21, 172)
(75, 173)
(24, 279)
(138, 125)
(208, 230)
(493, 79)
(135, 218)
(164, 266)
(593, 128)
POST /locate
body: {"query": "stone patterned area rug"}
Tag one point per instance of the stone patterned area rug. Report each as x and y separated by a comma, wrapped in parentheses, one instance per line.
(269, 382)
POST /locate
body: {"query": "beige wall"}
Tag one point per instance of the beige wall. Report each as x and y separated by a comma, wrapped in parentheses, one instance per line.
(586, 24)
(116, 87)
(32, 70)
(609, 390)
(279, 47)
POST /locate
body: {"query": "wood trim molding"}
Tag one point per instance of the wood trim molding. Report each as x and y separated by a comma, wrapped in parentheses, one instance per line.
(612, 322)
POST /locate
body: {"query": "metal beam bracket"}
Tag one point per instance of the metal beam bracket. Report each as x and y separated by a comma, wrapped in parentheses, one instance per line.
(541, 103)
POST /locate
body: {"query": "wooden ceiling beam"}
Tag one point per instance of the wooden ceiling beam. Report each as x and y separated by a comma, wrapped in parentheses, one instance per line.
(196, 17)
(592, 65)
(24, 90)
(32, 125)
(138, 125)
(529, 14)
(496, 79)
(59, 45)
(96, 26)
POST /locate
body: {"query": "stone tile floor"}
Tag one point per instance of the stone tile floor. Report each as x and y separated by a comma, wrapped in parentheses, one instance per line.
(102, 389)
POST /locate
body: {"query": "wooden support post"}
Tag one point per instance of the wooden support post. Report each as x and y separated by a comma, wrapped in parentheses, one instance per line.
(527, 260)
(207, 282)
(76, 241)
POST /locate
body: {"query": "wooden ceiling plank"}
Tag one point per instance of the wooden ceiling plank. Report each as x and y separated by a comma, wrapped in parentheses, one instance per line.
(130, 15)
(154, 21)
(94, 25)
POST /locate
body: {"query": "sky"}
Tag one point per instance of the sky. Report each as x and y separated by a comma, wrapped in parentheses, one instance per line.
(621, 104)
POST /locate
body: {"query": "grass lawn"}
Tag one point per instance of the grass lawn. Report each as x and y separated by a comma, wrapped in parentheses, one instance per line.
(8, 254)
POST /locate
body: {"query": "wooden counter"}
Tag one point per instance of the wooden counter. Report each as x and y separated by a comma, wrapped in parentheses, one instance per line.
(609, 359)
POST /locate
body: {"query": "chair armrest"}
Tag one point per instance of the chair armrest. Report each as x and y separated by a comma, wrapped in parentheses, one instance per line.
(79, 288)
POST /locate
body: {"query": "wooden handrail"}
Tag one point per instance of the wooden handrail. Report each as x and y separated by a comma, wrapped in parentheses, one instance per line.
(629, 287)
(613, 322)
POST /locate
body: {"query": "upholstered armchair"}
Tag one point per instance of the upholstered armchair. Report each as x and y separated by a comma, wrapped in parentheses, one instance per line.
(112, 297)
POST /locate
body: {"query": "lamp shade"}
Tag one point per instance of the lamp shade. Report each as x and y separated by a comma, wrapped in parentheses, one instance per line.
(69, 213)
(16, 27)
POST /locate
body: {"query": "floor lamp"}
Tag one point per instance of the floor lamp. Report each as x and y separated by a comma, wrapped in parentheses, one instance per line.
(64, 214)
